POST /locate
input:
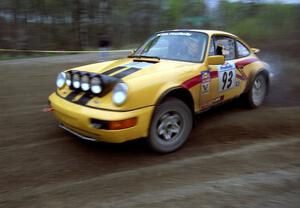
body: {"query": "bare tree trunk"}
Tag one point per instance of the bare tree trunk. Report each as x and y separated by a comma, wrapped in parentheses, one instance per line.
(15, 11)
(80, 23)
(103, 12)
(83, 23)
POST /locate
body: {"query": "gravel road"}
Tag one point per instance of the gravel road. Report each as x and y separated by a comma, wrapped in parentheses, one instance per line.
(235, 157)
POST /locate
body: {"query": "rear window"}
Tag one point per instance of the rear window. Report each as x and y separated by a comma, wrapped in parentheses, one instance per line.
(242, 50)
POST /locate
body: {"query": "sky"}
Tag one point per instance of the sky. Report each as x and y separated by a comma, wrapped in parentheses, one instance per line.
(282, 1)
(214, 3)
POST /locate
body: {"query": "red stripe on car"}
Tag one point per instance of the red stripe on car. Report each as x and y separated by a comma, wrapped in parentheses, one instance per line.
(191, 82)
(213, 74)
(197, 80)
(240, 77)
(243, 63)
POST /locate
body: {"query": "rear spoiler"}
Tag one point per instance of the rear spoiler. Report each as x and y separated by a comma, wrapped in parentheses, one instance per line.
(255, 50)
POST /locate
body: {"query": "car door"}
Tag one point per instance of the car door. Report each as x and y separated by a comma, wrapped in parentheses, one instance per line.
(223, 85)
(242, 63)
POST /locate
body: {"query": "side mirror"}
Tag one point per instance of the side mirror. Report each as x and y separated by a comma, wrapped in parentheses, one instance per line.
(255, 50)
(216, 60)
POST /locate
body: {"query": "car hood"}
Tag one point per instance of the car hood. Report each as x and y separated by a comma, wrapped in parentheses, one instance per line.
(146, 81)
(128, 68)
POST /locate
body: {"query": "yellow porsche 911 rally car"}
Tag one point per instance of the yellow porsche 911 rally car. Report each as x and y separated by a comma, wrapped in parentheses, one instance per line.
(156, 91)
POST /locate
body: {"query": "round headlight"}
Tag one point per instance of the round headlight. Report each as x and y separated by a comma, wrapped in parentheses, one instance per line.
(61, 80)
(85, 83)
(120, 93)
(96, 86)
(76, 81)
(68, 79)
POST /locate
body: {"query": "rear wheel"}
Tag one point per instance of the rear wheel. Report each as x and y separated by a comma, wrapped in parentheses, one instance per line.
(171, 126)
(258, 91)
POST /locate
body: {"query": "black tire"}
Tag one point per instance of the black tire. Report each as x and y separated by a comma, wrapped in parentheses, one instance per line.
(171, 116)
(249, 96)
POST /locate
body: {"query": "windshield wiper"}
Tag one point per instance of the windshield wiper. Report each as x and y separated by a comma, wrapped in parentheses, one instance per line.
(142, 56)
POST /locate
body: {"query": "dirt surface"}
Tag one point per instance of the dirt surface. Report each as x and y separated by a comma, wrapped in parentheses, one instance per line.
(235, 157)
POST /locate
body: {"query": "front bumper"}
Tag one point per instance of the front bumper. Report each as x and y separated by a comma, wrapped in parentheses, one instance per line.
(77, 134)
(77, 120)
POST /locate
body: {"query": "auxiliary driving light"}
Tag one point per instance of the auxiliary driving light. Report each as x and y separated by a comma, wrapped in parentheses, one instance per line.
(68, 79)
(85, 83)
(76, 81)
(96, 87)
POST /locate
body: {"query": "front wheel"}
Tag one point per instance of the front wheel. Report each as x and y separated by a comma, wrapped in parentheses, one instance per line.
(258, 91)
(171, 126)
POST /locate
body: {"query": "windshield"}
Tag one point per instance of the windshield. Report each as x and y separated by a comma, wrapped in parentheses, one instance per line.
(181, 46)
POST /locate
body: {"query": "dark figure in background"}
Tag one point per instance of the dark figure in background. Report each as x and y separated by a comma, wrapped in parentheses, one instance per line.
(219, 50)
(104, 45)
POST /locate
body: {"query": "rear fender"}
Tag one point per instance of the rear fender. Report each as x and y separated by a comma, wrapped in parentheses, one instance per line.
(252, 77)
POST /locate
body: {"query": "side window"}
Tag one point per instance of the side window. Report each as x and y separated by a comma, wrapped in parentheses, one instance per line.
(226, 45)
(242, 50)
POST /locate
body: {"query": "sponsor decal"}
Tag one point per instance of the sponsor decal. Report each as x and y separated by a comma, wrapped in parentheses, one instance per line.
(205, 88)
(229, 65)
(140, 65)
(227, 76)
(205, 80)
(176, 34)
(230, 79)
(205, 76)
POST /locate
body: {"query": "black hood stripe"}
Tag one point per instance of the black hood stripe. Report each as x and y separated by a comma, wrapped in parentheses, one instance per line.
(129, 69)
(126, 72)
(85, 99)
(113, 70)
(72, 95)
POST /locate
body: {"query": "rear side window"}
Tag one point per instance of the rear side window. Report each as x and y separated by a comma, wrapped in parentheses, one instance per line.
(242, 50)
(226, 46)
